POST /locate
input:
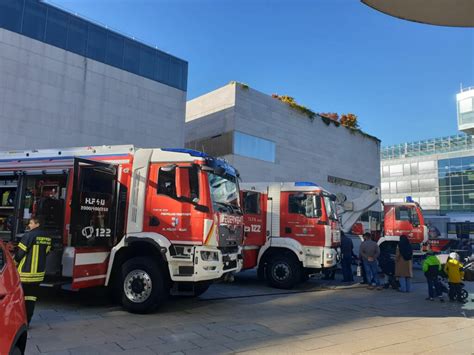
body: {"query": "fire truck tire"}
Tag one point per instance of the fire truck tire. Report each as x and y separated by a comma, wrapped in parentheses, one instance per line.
(142, 285)
(283, 271)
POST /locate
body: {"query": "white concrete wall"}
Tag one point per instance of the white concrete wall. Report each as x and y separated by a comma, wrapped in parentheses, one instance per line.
(50, 97)
(305, 150)
(212, 102)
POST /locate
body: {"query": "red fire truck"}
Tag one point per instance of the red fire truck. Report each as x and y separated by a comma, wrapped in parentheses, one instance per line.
(403, 218)
(146, 222)
(291, 231)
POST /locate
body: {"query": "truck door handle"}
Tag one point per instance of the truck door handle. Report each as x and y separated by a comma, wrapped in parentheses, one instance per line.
(287, 230)
(153, 222)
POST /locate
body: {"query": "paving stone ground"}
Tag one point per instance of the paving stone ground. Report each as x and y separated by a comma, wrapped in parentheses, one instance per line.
(247, 317)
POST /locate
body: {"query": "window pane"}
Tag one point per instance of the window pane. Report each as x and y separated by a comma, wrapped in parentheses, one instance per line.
(254, 147)
(251, 202)
(10, 14)
(386, 171)
(175, 72)
(96, 42)
(114, 51)
(393, 187)
(166, 183)
(468, 163)
(162, 67)
(403, 186)
(427, 184)
(414, 168)
(77, 36)
(385, 187)
(34, 20)
(56, 28)
(426, 166)
(131, 56)
(396, 170)
(147, 62)
(406, 169)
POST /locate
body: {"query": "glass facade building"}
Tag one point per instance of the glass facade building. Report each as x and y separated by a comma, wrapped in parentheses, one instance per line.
(59, 28)
(456, 184)
(437, 173)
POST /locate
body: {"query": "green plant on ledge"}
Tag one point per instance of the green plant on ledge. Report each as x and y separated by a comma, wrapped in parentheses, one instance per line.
(242, 85)
(290, 101)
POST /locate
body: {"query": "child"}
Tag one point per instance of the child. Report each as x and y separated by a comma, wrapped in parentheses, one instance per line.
(432, 268)
(453, 269)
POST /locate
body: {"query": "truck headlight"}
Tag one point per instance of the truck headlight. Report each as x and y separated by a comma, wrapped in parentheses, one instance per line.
(209, 255)
(329, 256)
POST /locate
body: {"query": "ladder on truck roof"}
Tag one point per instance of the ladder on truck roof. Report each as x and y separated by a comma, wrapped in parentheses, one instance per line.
(64, 153)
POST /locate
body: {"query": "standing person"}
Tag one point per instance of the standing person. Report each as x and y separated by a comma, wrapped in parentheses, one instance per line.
(347, 251)
(369, 252)
(455, 275)
(31, 259)
(432, 268)
(404, 264)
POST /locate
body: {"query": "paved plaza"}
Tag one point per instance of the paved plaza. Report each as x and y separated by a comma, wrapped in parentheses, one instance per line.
(246, 317)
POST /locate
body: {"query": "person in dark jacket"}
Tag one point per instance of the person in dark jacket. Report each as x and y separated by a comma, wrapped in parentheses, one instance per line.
(387, 264)
(432, 268)
(347, 251)
(31, 259)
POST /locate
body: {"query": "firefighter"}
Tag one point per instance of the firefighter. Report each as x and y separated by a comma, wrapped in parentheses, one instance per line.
(31, 259)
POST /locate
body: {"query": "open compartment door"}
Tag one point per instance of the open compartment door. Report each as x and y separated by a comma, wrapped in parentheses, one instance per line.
(93, 219)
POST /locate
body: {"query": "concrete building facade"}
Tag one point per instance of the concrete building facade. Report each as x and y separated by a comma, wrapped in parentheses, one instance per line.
(65, 81)
(266, 140)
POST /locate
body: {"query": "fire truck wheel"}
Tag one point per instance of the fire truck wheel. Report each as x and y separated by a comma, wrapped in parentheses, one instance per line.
(283, 271)
(142, 285)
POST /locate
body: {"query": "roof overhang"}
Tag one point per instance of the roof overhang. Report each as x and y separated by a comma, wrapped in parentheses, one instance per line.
(454, 13)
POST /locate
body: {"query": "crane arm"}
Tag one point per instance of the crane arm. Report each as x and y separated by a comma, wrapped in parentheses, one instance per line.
(350, 211)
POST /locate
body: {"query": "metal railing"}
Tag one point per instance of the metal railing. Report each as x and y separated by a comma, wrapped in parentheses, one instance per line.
(447, 144)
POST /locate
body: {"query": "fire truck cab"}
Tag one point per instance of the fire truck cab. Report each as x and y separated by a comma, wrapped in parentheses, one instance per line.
(403, 218)
(145, 222)
(291, 231)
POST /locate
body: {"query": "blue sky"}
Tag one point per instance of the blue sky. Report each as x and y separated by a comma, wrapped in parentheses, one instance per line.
(399, 77)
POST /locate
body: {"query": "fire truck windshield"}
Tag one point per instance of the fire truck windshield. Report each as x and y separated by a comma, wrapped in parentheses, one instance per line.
(330, 208)
(224, 190)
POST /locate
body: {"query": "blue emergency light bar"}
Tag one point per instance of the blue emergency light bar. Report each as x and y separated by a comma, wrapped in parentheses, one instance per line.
(306, 183)
(211, 161)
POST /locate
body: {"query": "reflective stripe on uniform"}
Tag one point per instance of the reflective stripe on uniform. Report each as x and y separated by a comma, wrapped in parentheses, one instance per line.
(22, 246)
(31, 298)
(34, 261)
(32, 277)
(22, 262)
